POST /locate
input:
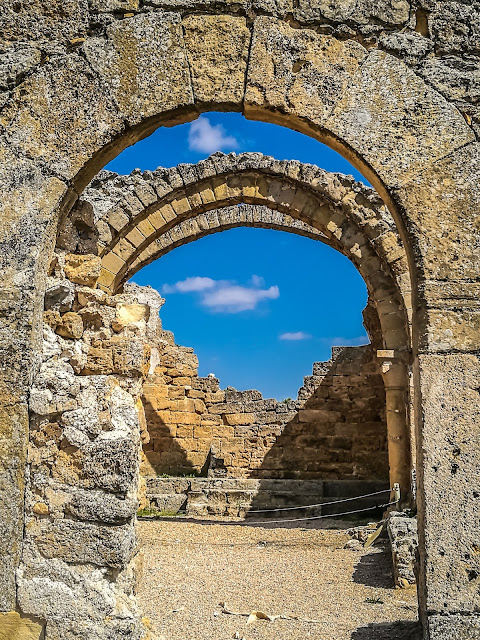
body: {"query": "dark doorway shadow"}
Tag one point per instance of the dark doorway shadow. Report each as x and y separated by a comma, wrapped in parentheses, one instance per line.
(163, 450)
(375, 569)
(402, 630)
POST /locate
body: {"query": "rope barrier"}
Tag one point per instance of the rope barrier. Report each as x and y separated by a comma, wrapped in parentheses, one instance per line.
(395, 491)
(330, 515)
(320, 504)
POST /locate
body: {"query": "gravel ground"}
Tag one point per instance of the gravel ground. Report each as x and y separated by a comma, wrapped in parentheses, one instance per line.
(192, 566)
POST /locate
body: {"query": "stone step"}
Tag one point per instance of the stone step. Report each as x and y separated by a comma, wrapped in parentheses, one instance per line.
(236, 497)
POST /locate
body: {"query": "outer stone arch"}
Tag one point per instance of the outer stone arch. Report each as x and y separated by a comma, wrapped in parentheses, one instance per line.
(72, 112)
(139, 217)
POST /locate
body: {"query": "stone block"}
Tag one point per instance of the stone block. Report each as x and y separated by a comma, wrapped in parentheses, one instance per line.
(186, 404)
(183, 431)
(82, 269)
(81, 542)
(214, 397)
(57, 121)
(130, 314)
(185, 418)
(130, 357)
(143, 63)
(448, 251)
(202, 432)
(449, 487)
(217, 48)
(402, 532)
(233, 419)
(319, 416)
(447, 627)
(375, 115)
(221, 431)
(99, 361)
(113, 6)
(59, 296)
(112, 465)
(70, 326)
(286, 63)
(182, 381)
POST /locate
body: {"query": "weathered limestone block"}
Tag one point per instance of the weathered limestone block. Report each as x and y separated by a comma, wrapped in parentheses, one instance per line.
(70, 326)
(402, 532)
(458, 79)
(298, 71)
(99, 361)
(82, 269)
(456, 626)
(16, 62)
(450, 250)
(61, 20)
(83, 542)
(217, 49)
(59, 295)
(390, 12)
(113, 6)
(375, 114)
(111, 465)
(55, 389)
(97, 316)
(144, 64)
(13, 626)
(57, 121)
(73, 597)
(130, 314)
(449, 486)
(455, 26)
(240, 418)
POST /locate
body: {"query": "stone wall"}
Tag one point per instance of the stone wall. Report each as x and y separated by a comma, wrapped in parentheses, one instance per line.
(80, 558)
(334, 429)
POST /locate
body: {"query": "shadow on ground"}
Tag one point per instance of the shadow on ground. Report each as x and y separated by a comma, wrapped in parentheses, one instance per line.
(389, 631)
(375, 570)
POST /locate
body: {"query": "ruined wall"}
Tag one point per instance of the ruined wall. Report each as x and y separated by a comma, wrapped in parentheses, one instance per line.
(103, 359)
(335, 428)
(80, 558)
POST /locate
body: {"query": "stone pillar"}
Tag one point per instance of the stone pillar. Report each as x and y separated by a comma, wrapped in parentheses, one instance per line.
(449, 495)
(395, 377)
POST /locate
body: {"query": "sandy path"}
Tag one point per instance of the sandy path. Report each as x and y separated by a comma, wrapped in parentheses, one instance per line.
(193, 566)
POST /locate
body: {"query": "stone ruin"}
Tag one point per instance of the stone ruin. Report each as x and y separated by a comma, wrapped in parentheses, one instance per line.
(393, 85)
(111, 379)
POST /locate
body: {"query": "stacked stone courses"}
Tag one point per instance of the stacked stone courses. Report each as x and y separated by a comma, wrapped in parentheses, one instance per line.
(335, 429)
(393, 85)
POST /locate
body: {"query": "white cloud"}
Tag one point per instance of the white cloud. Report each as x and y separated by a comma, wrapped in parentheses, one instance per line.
(257, 281)
(195, 283)
(225, 295)
(207, 138)
(295, 335)
(235, 298)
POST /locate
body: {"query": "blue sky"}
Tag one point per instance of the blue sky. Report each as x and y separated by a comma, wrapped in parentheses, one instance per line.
(258, 306)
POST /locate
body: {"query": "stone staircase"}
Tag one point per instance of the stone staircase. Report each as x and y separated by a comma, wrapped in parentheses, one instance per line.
(237, 497)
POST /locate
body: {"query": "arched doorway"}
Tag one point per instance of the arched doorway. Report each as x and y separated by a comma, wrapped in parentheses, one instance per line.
(365, 111)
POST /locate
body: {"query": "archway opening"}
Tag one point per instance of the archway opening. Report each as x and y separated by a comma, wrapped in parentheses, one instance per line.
(133, 230)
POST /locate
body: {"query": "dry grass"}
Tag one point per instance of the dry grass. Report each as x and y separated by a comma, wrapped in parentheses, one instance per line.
(190, 567)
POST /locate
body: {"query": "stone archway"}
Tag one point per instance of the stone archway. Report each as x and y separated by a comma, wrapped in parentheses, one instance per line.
(137, 217)
(69, 110)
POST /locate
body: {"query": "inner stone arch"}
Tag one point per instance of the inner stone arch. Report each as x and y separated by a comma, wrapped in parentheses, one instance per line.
(136, 215)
